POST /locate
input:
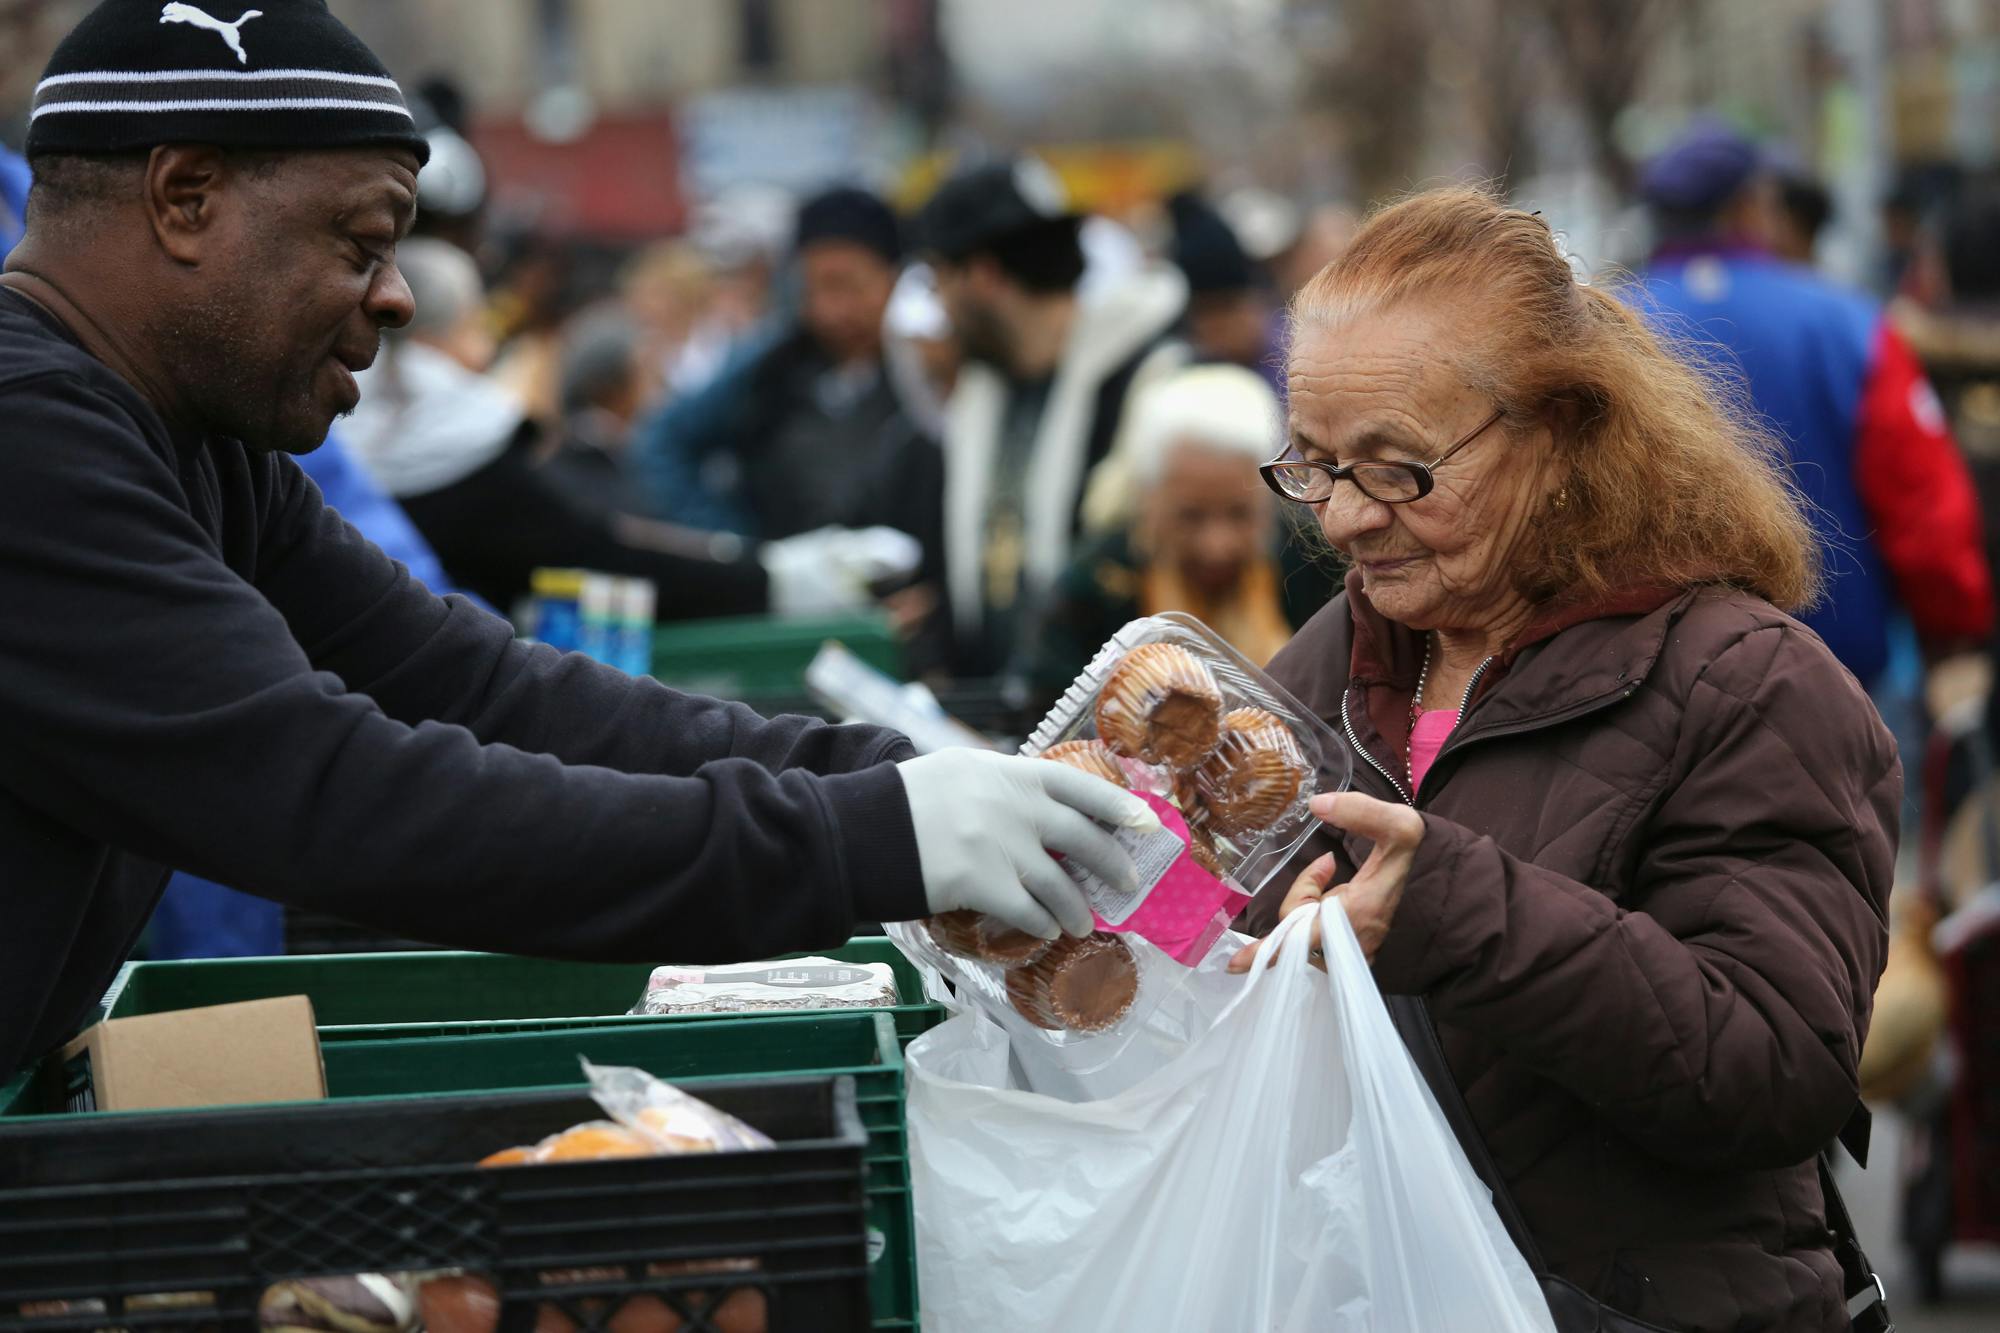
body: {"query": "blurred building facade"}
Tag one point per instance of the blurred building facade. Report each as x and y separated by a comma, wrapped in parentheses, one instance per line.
(1321, 99)
(607, 117)
(627, 53)
(1945, 75)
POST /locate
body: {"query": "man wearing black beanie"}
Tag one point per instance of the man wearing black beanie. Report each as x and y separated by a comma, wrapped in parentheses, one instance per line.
(203, 667)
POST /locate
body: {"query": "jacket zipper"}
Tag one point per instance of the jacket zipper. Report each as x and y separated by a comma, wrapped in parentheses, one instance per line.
(1464, 706)
(1348, 727)
(1435, 1070)
(1477, 1150)
(1470, 686)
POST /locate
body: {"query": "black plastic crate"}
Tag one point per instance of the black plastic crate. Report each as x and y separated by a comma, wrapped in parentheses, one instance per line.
(226, 1202)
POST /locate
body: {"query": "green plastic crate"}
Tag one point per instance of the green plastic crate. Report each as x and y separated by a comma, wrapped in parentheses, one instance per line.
(765, 655)
(374, 995)
(858, 1043)
(22, 1091)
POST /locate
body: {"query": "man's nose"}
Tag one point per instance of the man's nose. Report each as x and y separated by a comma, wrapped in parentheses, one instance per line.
(390, 302)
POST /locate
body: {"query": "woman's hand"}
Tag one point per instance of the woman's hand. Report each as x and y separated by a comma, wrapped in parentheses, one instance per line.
(1309, 887)
(1371, 897)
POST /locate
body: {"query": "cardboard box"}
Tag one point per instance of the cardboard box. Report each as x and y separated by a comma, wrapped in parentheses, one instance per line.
(224, 1055)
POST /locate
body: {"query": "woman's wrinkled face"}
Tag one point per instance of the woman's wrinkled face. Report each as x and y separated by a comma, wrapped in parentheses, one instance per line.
(1385, 386)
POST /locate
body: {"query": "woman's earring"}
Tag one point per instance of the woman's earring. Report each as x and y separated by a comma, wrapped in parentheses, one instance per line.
(1562, 498)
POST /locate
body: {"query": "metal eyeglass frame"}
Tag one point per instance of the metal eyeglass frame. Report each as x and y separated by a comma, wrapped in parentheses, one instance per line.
(1426, 482)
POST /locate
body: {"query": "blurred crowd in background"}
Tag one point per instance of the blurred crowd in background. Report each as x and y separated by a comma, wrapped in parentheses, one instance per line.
(974, 319)
(805, 309)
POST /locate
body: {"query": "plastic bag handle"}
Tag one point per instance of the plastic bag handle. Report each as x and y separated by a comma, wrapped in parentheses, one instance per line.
(1280, 939)
(1336, 934)
(1298, 958)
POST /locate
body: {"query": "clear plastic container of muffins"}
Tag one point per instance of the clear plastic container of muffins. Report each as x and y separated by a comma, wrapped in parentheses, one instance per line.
(1227, 758)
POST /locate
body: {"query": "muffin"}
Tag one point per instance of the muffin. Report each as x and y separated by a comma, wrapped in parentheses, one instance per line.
(1205, 853)
(1162, 706)
(1079, 985)
(1092, 757)
(969, 934)
(1253, 777)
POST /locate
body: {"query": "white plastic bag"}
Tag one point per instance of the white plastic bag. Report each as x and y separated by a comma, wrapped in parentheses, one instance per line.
(1287, 1169)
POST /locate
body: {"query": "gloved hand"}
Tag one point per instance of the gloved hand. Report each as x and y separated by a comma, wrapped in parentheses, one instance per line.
(830, 569)
(987, 822)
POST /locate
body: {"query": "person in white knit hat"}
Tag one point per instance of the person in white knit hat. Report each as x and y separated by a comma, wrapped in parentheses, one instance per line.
(1201, 539)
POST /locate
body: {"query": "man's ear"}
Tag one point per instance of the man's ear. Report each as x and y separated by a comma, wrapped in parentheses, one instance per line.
(184, 184)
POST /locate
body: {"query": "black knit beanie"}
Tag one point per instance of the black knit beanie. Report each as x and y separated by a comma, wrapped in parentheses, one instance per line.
(1206, 249)
(273, 74)
(848, 214)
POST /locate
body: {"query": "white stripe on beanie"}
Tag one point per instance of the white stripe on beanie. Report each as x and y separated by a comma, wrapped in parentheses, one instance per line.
(211, 75)
(226, 104)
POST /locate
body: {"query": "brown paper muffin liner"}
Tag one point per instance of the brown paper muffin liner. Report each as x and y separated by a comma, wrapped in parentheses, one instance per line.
(1161, 705)
(1079, 985)
(1254, 776)
(968, 934)
(1092, 757)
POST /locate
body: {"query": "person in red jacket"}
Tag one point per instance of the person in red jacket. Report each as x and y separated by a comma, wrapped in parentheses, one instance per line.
(1892, 498)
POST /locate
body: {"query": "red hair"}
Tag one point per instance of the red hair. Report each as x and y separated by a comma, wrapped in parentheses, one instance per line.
(1668, 480)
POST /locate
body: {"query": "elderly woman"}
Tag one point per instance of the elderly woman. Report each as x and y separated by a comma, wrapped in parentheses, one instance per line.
(1621, 823)
(1203, 534)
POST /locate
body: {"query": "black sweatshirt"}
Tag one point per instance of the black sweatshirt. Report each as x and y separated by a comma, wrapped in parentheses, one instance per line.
(202, 666)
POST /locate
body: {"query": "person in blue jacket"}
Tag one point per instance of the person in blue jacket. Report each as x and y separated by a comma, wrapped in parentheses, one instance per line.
(345, 486)
(1891, 495)
(805, 428)
(14, 181)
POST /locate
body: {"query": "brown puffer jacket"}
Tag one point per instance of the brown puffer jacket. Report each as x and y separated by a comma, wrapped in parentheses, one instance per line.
(1647, 917)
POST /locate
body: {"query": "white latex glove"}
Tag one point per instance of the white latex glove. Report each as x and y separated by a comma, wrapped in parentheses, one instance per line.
(878, 553)
(987, 822)
(830, 569)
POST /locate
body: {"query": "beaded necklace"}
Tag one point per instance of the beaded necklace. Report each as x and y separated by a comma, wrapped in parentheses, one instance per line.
(1416, 707)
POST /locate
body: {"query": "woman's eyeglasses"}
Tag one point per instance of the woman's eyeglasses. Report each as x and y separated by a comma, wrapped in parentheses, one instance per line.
(1391, 483)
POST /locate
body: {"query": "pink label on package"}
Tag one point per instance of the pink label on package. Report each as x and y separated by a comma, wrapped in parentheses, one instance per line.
(1177, 903)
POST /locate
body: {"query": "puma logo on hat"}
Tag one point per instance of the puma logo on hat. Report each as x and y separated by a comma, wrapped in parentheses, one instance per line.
(135, 73)
(231, 33)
